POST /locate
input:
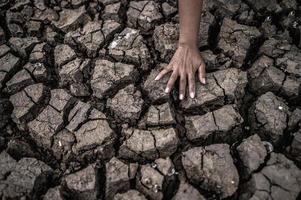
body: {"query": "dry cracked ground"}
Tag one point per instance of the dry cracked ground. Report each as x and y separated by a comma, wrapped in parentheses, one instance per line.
(81, 116)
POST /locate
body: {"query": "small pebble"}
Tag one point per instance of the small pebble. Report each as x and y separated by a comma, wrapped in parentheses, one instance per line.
(156, 188)
(147, 181)
(269, 147)
(292, 13)
(153, 165)
(172, 172)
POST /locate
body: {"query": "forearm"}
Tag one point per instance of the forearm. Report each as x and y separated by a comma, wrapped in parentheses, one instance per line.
(190, 15)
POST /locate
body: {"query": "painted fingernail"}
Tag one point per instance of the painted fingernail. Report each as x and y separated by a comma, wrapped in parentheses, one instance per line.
(166, 90)
(203, 80)
(157, 78)
(192, 95)
(181, 96)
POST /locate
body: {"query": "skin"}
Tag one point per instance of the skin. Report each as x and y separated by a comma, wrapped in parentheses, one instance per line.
(187, 59)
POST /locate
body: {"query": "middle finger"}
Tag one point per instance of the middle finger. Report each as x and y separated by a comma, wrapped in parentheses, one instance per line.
(183, 81)
(191, 83)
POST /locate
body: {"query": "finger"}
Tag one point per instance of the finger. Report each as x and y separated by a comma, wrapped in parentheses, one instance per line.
(191, 83)
(202, 73)
(183, 81)
(171, 81)
(166, 70)
(162, 73)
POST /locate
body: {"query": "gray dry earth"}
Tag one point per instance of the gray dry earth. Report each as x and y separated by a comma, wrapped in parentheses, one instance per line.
(81, 116)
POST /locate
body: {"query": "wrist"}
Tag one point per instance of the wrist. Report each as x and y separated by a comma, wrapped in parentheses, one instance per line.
(188, 44)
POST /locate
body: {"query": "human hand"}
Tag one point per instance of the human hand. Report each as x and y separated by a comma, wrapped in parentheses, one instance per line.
(184, 64)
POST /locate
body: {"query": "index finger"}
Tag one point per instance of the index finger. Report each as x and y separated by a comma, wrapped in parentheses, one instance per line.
(162, 73)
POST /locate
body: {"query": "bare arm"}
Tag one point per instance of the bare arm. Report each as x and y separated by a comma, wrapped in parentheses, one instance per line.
(190, 15)
(187, 59)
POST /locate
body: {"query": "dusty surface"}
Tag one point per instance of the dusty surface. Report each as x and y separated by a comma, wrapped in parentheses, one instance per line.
(81, 116)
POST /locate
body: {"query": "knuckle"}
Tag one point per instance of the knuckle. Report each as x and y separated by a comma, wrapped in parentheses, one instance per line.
(166, 70)
(174, 75)
(182, 86)
(172, 80)
(191, 78)
(169, 84)
(168, 67)
(190, 70)
(191, 85)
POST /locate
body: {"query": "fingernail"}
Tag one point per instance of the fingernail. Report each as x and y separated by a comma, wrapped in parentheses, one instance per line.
(203, 80)
(167, 90)
(192, 95)
(157, 78)
(181, 96)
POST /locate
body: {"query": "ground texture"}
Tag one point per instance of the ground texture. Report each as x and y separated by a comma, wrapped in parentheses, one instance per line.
(81, 116)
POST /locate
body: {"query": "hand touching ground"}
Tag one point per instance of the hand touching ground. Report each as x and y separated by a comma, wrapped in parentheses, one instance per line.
(184, 64)
(187, 59)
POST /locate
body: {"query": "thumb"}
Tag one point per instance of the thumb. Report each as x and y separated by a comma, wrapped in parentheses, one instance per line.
(202, 73)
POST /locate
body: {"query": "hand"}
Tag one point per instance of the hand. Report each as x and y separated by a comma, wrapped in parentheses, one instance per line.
(184, 64)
